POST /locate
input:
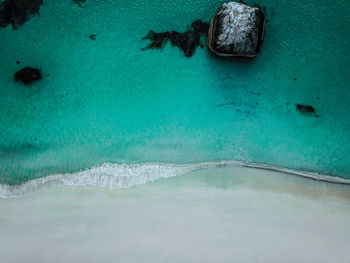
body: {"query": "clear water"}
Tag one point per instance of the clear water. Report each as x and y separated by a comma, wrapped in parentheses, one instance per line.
(108, 101)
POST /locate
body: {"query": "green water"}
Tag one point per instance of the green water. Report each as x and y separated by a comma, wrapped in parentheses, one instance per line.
(108, 101)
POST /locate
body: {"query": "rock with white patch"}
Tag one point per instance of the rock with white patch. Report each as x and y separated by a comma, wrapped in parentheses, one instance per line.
(236, 30)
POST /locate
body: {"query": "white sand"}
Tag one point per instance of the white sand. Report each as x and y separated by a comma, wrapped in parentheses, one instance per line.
(217, 215)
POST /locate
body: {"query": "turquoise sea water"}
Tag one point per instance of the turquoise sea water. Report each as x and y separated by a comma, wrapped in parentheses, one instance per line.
(108, 101)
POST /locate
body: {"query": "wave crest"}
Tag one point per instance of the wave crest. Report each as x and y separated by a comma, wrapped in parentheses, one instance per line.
(114, 176)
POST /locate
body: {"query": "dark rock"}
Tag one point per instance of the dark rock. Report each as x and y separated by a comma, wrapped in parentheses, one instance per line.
(18, 62)
(236, 30)
(17, 12)
(305, 109)
(187, 42)
(28, 75)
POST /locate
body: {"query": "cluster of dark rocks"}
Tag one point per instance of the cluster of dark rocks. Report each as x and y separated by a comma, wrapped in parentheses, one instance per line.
(236, 30)
(17, 12)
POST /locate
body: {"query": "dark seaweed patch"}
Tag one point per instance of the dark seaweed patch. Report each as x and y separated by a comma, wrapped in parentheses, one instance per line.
(187, 41)
(78, 2)
(305, 109)
(28, 75)
(17, 12)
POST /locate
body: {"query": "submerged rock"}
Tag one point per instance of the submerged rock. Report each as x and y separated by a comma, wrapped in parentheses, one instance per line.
(236, 30)
(305, 109)
(17, 12)
(187, 42)
(28, 75)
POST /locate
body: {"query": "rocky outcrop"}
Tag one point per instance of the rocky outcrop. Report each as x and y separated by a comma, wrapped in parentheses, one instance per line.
(236, 30)
(187, 42)
(17, 12)
(28, 75)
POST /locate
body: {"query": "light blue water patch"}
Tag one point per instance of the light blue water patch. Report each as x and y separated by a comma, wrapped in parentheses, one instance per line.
(108, 101)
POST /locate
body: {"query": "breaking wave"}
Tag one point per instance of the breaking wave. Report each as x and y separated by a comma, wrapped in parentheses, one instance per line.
(115, 176)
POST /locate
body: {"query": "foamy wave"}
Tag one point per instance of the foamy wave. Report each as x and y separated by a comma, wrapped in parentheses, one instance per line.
(116, 176)
(107, 175)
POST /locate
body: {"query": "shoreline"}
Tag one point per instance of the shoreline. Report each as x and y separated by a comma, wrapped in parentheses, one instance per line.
(230, 211)
(118, 176)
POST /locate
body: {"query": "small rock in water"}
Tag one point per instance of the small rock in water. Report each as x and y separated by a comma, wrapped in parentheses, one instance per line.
(305, 109)
(28, 75)
(236, 30)
(187, 41)
(17, 12)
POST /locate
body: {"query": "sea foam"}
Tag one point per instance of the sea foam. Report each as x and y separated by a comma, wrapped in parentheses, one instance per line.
(115, 176)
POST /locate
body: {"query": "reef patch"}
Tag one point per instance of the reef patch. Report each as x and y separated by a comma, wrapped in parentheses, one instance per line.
(17, 12)
(187, 41)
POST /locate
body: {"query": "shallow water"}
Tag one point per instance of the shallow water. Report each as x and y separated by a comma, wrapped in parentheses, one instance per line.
(223, 214)
(108, 101)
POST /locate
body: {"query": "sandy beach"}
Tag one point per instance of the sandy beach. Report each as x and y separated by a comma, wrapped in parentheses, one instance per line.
(229, 214)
